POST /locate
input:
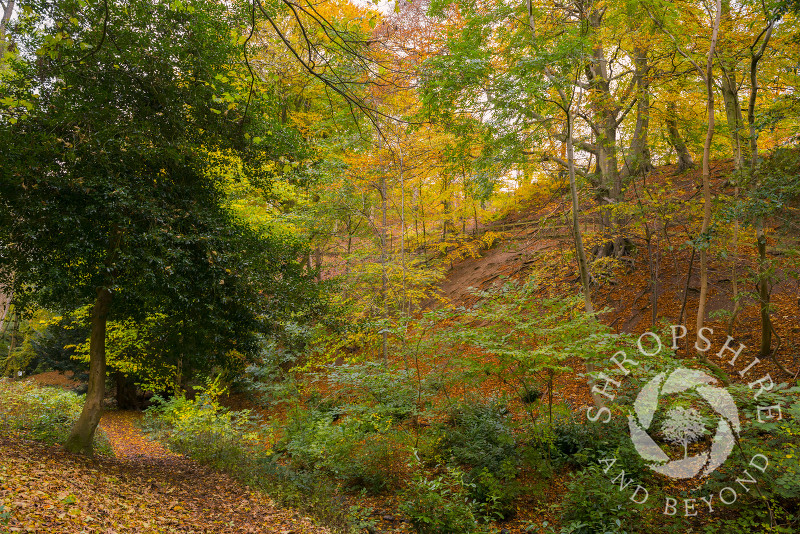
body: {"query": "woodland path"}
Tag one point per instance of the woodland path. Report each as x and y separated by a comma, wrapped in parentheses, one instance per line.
(145, 489)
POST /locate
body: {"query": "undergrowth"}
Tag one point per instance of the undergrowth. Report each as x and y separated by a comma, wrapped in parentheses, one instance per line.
(42, 413)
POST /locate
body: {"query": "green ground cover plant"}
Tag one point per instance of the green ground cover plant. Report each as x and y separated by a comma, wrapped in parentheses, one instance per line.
(41, 413)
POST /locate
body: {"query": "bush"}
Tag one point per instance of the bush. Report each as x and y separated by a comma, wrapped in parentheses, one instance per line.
(439, 505)
(205, 430)
(593, 504)
(479, 437)
(373, 463)
(380, 390)
(270, 380)
(778, 497)
(362, 454)
(306, 436)
(42, 413)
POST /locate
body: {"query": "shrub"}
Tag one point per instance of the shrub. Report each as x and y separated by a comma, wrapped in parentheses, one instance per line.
(270, 380)
(439, 505)
(380, 390)
(479, 436)
(373, 463)
(205, 430)
(362, 454)
(42, 413)
(777, 499)
(593, 504)
(580, 443)
(307, 438)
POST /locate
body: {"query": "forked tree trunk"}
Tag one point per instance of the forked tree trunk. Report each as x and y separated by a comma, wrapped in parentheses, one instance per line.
(606, 122)
(82, 436)
(733, 113)
(639, 153)
(685, 161)
(730, 97)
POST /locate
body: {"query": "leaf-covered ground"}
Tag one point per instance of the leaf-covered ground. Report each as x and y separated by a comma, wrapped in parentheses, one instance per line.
(146, 489)
(127, 439)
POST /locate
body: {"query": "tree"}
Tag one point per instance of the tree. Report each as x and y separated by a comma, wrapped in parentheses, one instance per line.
(706, 74)
(105, 192)
(683, 427)
(8, 9)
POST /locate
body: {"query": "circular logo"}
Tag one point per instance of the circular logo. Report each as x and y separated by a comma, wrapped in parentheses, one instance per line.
(683, 425)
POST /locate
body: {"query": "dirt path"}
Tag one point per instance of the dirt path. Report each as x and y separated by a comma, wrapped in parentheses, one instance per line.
(127, 439)
(146, 489)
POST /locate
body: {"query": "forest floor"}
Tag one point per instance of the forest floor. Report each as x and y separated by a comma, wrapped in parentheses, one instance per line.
(145, 489)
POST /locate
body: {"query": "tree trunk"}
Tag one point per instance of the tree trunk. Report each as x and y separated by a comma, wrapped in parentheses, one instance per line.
(684, 158)
(82, 435)
(9, 9)
(730, 94)
(734, 272)
(318, 262)
(686, 287)
(447, 209)
(583, 266)
(763, 293)
(12, 343)
(763, 278)
(605, 113)
(576, 227)
(639, 154)
(5, 307)
(733, 113)
(384, 275)
(402, 226)
(705, 237)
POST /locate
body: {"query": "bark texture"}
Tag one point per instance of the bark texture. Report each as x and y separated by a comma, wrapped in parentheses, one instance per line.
(685, 161)
(82, 435)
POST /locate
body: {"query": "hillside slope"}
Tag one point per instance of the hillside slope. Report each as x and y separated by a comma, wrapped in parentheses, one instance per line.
(658, 281)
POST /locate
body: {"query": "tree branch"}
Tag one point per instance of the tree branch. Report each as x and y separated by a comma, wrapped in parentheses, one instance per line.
(554, 159)
(661, 27)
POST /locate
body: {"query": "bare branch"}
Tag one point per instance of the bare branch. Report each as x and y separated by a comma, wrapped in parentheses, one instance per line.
(661, 27)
